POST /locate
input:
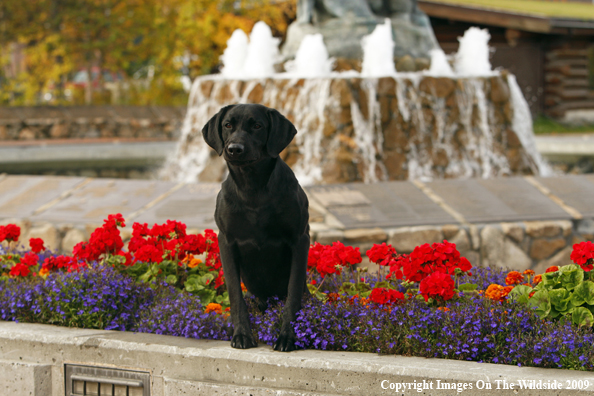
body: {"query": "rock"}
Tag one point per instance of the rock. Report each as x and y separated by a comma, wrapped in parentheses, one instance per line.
(59, 131)
(475, 238)
(492, 246)
(540, 229)
(497, 250)
(340, 90)
(224, 95)
(514, 257)
(327, 237)
(365, 235)
(395, 163)
(27, 134)
(440, 87)
(543, 248)
(559, 259)
(422, 64)
(206, 87)
(72, 237)
(406, 64)
(48, 233)
(499, 90)
(256, 94)
(405, 239)
(513, 231)
(386, 86)
(461, 241)
(450, 231)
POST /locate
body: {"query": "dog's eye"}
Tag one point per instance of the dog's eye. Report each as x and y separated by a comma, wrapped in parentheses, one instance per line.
(257, 126)
(228, 125)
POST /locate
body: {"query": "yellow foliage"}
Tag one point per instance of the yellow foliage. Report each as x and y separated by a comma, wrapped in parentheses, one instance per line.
(62, 38)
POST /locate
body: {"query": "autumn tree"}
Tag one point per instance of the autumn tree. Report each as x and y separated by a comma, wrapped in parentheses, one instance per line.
(61, 37)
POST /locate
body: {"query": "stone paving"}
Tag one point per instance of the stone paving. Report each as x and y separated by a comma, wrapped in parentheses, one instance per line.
(520, 221)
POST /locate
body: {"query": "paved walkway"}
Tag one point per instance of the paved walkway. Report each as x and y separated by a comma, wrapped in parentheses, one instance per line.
(78, 200)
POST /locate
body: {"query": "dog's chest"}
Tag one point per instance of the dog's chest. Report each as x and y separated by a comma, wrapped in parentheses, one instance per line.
(263, 223)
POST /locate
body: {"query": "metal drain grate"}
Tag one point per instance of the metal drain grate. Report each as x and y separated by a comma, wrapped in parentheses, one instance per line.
(101, 381)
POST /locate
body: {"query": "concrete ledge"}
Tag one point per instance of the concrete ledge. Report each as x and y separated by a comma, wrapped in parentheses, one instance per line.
(185, 366)
(26, 157)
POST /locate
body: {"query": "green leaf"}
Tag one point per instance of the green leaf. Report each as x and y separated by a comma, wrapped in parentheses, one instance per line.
(312, 289)
(559, 299)
(384, 284)
(171, 279)
(363, 287)
(467, 287)
(540, 300)
(520, 294)
(550, 279)
(349, 288)
(571, 276)
(582, 317)
(583, 293)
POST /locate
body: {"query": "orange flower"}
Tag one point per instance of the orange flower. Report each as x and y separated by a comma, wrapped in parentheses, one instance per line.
(554, 268)
(243, 288)
(444, 309)
(493, 292)
(506, 291)
(214, 307)
(191, 261)
(514, 278)
(537, 279)
(528, 272)
(194, 263)
(43, 272)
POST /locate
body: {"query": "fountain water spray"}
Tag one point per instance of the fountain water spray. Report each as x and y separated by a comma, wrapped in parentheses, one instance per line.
(440, 67)
(234, 56)
(262, 53)
(311, 60)
(472, 58)
(378, 58)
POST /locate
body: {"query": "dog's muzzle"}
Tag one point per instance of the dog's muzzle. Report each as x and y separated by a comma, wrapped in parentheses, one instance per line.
(234, 150)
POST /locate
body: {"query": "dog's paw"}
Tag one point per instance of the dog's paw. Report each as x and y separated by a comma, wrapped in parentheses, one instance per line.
(243, 341)
(286, 342)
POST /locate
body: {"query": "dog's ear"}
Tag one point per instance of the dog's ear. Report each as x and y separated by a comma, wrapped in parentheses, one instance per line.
(280, 134)
(213, 132)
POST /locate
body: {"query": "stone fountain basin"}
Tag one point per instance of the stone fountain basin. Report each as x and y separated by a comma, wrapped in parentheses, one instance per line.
(32, 359)
(409, 126)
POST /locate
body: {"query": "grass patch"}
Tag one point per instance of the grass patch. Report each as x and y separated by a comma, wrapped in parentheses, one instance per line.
(547, 126)
(581, 11)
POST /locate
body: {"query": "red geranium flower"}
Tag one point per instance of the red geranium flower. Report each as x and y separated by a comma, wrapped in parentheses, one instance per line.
(9, 233)
(20, 269)
(437, 285)
(583, 255)
(30, 259)
(36, 245)
(381, 295)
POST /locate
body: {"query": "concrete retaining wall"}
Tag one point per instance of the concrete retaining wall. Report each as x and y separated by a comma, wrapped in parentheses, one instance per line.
(33, 358)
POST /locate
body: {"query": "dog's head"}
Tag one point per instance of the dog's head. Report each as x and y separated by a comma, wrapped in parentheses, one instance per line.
(246, 133)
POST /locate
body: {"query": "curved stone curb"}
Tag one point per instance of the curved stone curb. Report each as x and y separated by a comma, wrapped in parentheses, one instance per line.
(186, 366)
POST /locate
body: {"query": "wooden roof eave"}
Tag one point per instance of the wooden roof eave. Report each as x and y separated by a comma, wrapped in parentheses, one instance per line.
(485, 16)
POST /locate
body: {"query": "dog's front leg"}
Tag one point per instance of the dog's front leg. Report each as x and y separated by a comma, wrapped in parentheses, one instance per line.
(287, 337)
(242, 332)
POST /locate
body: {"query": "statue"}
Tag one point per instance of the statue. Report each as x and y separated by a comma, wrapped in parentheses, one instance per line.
(343, 23)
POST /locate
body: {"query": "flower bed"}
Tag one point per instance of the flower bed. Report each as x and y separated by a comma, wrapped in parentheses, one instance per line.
(429, 303)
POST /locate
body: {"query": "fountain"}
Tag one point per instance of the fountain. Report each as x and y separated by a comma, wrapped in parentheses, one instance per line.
(377, 125)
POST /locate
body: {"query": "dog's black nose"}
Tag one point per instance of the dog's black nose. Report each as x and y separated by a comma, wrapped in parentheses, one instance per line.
(235, 149)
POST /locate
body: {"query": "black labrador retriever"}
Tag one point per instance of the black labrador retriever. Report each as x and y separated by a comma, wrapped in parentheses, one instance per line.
(262, 216)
